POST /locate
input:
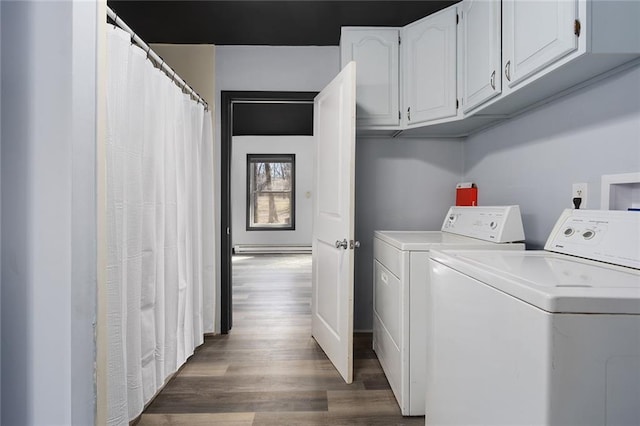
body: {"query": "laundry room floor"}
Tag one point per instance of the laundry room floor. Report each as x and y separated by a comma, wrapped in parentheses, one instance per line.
(269, 370)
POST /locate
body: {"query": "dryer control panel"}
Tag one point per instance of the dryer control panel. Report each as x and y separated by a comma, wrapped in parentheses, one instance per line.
(499, 224)
(610, 236)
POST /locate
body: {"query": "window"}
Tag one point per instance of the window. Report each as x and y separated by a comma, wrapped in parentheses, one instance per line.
(270, 191)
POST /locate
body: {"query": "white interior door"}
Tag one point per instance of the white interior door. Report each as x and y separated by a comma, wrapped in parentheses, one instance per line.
(333, 220)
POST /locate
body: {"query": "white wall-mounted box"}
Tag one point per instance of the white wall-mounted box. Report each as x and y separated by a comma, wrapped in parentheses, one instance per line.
(620, 192)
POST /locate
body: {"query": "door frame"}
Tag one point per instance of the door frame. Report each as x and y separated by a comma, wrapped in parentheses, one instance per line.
(227, 99)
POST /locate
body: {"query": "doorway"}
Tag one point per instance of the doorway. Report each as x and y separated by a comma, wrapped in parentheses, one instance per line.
(252, 113)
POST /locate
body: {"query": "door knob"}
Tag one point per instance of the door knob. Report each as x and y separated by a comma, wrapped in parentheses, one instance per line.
(344, 244)
(354, 244)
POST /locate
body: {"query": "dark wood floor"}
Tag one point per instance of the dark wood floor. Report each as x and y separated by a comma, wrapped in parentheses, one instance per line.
(268, 370)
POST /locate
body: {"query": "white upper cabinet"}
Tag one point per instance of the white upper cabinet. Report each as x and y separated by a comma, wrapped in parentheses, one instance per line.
(375, 51)
(552, 46)
(502, 58)
(479, 48)
(536, 34)
(429, 68)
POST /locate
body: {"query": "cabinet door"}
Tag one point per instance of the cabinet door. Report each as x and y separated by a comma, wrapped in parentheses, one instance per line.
(429, 67)
(535, 35)
(480, 51)
(376, 53)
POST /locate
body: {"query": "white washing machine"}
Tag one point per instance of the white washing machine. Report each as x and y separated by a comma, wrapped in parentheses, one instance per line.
(401, 275)
(539, 337)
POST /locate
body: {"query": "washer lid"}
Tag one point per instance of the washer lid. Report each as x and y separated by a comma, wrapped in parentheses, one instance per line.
(551, 281)
(427, 240)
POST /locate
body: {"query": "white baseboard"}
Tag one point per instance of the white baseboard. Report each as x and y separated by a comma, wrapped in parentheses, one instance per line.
(264, 248)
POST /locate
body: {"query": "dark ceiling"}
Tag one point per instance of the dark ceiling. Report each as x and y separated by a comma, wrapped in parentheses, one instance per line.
(272, 23)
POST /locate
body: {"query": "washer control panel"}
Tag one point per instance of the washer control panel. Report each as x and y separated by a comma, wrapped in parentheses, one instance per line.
(500, 224)
(606, 235)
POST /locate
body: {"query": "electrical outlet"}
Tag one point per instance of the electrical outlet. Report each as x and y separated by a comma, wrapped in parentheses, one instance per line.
(579, 191)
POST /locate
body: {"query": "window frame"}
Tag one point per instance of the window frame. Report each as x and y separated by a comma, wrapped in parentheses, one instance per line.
(272, 158)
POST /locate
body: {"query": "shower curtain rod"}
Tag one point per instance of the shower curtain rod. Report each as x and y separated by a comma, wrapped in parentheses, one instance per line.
(156, 58)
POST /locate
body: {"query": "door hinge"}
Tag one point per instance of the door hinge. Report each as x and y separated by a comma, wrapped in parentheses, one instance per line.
(457, 104)
(577, 27)
(399, 115)
(399, 40)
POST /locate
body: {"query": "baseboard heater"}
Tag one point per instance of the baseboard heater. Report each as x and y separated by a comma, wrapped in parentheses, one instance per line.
(264, 248)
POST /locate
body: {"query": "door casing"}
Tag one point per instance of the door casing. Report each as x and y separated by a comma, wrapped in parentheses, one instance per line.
(227, 100)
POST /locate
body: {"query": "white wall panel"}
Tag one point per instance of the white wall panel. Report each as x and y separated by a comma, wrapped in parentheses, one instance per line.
(302, 147)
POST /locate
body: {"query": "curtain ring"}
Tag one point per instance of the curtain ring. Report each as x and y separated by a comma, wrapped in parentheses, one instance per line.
(148, 49)
(173, 77)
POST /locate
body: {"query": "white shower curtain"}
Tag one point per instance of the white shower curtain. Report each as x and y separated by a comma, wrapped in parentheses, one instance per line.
(160, 227)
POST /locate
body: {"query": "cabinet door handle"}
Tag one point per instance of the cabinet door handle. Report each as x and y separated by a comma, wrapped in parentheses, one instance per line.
(409, 114)
(493, 80)
(507, 70)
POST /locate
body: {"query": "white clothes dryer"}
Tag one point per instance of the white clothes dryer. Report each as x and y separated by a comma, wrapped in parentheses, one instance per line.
(539, 337)
(401, 277)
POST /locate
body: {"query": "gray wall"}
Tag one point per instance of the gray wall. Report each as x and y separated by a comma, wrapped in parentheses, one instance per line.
(406, 184)
(268, 68)
(400, 184)
(534, 159)
(48, 212)
(531, 160)
(303, 148)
